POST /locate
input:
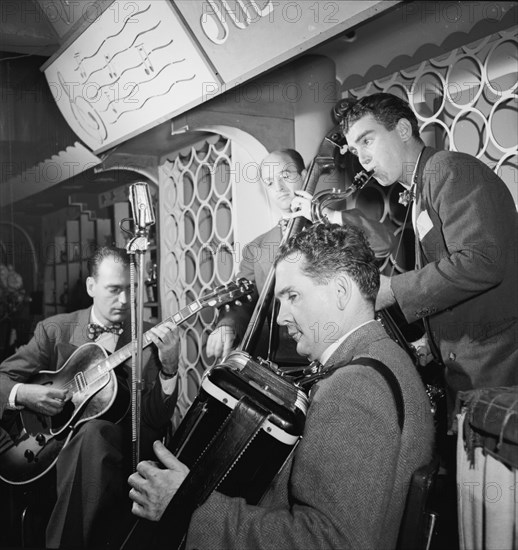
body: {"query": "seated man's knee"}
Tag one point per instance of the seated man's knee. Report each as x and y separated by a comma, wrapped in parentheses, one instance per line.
(95, 431)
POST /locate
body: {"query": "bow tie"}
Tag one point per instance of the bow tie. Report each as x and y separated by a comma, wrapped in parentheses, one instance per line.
(95, 330)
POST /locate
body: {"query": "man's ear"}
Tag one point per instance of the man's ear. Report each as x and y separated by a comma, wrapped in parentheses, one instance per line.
(404, 129)
(90, 283)
(343, 290)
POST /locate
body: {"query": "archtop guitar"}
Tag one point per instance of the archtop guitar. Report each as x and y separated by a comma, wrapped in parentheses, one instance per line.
(88, 375)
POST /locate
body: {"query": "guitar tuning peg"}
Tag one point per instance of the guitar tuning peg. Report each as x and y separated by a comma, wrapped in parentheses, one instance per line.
(249, 298)
(238, 302)
(227, 308)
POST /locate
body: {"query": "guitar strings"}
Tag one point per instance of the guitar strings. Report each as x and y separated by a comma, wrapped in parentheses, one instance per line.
(73, 384)
(116, 356)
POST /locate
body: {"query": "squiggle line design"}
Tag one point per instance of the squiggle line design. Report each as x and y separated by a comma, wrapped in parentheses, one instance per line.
(137, 85)
(161, 47)
(153, 97)
(113, 35)
(126, 70)
(122, 51)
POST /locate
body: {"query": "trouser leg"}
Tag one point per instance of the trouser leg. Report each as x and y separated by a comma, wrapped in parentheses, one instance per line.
(91, 488)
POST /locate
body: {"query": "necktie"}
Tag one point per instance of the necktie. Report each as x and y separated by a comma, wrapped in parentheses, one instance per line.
(95, 330)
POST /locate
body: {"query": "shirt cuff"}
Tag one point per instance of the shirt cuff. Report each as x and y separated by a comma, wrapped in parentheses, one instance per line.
(168, 384)
(12, 398)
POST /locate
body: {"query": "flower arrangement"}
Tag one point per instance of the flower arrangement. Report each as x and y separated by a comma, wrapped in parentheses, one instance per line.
(12, 293)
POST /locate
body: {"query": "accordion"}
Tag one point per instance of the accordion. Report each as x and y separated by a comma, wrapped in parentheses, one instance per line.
(240, 430)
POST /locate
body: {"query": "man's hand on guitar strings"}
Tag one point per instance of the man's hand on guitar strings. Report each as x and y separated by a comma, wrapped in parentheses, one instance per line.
(42, 399)
(153, 486)
(220, 342)
(166, 338)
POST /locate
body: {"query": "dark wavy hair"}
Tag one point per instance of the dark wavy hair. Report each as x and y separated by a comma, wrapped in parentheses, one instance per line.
(330, 249)
(387, 109)
(95, 260)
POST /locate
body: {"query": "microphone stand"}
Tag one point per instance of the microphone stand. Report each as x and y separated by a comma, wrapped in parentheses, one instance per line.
(143, 217)
(136, 248)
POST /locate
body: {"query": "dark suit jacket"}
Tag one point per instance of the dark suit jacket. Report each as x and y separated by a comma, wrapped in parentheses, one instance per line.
(468, 284)
(54, 341)
(346, 483)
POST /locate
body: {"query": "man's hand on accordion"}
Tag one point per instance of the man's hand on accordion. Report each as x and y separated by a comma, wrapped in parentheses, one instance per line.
(153, 485)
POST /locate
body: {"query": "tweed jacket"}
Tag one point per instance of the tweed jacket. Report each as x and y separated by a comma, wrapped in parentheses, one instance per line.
(345, 485)
(54, 341)
(467, 286)
(257, 261)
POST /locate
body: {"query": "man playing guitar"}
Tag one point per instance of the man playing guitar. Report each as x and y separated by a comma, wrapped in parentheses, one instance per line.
(93, 454)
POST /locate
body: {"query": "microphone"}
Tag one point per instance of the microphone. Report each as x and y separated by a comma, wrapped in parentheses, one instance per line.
(141, 206)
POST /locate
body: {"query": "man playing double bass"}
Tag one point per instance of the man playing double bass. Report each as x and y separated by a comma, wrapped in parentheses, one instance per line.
(282, 175)
(92, 467)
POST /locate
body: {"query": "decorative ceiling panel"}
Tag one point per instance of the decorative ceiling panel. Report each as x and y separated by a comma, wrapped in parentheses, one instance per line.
(131, 69)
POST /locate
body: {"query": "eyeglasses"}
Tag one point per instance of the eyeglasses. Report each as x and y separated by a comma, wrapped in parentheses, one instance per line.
(285, 175)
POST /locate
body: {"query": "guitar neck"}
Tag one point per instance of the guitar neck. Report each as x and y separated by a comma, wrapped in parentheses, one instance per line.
(218, 297)
(124, 353)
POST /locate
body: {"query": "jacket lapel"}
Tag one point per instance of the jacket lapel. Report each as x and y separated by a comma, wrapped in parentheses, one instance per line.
(421, 202)
(125, 337)
(268, 251)
(79, 335)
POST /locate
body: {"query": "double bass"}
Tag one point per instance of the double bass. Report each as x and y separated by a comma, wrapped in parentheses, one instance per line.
(245, 410)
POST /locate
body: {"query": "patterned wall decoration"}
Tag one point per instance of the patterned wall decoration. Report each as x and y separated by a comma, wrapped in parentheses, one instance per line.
(465, 101)
(196, 240)
(131, 68)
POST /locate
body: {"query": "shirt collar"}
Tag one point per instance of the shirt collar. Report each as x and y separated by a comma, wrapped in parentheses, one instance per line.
(328, 352)
(108, 340)
(94, 319)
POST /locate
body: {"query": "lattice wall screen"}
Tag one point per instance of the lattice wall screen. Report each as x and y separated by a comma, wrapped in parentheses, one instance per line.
(196, 241)
(465, 101)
